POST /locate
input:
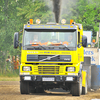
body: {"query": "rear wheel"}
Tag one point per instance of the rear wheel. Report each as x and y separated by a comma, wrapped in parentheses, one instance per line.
(77, 88)
(24, 87)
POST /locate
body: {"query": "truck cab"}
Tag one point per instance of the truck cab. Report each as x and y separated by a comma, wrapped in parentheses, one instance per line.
(51, 57)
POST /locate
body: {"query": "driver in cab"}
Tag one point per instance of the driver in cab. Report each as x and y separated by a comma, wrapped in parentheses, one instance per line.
(35, 38)
(69, 42)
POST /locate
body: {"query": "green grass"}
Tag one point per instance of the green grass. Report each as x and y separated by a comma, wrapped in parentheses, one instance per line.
(14, 73)
(9, 78)
(9, 75)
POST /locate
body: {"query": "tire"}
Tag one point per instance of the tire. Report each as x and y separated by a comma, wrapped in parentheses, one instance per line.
(24, 87)
(70, 91)
(33, 91)
(84, 89)
(39, 90)
(77, 88)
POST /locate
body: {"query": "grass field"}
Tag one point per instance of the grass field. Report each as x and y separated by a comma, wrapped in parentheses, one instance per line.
(9, 75)
(9, 78)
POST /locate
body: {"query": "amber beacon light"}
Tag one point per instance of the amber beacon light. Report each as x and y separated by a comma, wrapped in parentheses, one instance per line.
(71, 21)
(31, 21)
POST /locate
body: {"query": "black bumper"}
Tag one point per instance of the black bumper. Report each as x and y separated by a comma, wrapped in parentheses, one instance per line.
(57, 78)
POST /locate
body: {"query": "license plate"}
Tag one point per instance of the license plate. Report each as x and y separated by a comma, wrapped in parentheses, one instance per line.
(27, 78)
(69, 78)
(48, 79)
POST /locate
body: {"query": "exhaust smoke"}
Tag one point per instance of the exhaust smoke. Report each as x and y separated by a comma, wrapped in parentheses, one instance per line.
(57, 9)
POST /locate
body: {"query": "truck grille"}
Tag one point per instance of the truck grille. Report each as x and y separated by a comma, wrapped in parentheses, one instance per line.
(49, 58)
(48, 69)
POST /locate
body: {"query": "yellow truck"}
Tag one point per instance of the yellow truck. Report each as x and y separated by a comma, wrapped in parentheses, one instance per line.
(52, 57)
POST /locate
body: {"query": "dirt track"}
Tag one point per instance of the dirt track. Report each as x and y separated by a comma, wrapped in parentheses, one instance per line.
(10, 91)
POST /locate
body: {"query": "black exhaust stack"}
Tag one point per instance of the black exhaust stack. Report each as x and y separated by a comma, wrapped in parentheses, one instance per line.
(56, 9)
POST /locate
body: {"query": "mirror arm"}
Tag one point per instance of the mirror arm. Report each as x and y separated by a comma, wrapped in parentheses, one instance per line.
(20, 31)
(17, 42)
(79, 45)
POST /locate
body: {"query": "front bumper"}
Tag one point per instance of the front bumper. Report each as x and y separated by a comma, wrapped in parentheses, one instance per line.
(49, 78)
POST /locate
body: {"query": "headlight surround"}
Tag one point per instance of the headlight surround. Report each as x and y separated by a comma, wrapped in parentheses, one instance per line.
(70, 69)
(27, 68)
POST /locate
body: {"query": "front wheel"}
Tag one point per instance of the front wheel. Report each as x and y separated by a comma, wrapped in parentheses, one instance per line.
(24, 87)
(39, 90)
(77, 88)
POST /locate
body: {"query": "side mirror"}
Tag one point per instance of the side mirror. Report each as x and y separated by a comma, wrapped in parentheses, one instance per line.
(16, 42)
(84, 41)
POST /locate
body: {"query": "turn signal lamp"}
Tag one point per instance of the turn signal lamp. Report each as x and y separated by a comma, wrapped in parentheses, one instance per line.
(63, 21)
(71, 21)
(31, 21)
(93, 40)
(38, 21)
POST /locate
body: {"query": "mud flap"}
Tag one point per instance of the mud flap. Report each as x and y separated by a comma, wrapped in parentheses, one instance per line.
(84, 82)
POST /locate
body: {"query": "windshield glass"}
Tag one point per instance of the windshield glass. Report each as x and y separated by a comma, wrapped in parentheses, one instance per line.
(49, 40)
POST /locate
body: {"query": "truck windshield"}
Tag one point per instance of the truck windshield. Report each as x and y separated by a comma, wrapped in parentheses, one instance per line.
(35, 40)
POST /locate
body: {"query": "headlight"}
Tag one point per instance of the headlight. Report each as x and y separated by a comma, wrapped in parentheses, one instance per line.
(27, 68)
(70, 69)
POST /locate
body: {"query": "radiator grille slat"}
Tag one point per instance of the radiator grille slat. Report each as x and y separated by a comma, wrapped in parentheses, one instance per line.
(49, 58)
(48, 69)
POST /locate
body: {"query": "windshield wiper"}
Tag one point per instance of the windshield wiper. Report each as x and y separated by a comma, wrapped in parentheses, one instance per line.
(60, 46)
(65, 46)
(27, 45)
(38, 45)
(41, 46)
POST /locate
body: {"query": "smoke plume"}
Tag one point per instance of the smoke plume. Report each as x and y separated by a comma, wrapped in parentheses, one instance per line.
(61, 8)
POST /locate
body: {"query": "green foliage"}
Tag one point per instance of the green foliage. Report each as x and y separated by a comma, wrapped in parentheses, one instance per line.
(15, 13)
(9, 74)
(35, 10)
(87, 13)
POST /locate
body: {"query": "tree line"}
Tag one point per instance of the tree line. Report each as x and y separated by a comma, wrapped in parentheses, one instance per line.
(15, 13)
